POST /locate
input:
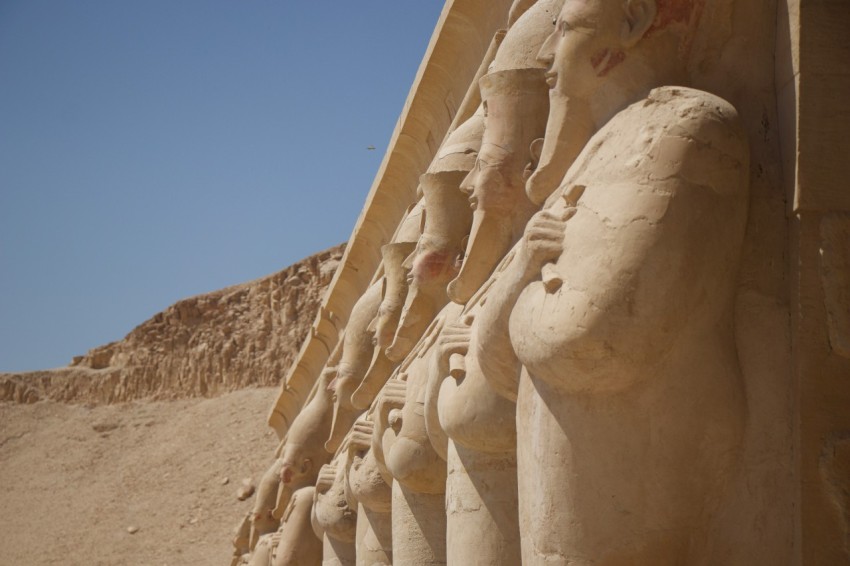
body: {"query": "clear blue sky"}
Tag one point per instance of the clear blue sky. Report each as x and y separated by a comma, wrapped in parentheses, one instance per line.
(153, 150)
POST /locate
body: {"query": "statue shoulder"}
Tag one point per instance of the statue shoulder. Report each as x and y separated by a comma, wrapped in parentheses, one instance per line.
(698, 139)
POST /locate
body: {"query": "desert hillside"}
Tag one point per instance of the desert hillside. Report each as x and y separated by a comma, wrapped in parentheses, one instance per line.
(205, 345)
(133, 454)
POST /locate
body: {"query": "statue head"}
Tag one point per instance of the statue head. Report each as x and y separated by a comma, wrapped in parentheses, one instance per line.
(530, 25)
(516, 105)
(600, 56)
(355, 359)
(515, 100)
(446, 222)
(303, 449)
(436, 259)
(383, 326)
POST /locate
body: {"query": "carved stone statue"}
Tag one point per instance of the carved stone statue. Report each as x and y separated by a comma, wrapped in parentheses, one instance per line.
(619, 299)
(383, 326)
(481, 489)
(334, 515)
(356, 355)
(302, 454)
(368, 487)
(295, 543)
(403, 446)
(570, 353)
(445, 224)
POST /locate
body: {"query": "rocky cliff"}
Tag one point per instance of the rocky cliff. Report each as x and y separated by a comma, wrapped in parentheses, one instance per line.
(239, 336)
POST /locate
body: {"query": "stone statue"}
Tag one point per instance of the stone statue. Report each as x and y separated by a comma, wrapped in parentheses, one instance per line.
(367, 486)
(481, 489)
(241, 540)
(405, 448)
(301, 455)
(383, 326)
(294, 543)
(356, 356)
(618, 301)
(334, 515)
(446, 222)
(570, 353)
(263, 520)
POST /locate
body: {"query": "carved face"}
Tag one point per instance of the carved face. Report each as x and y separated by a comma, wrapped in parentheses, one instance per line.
(355, 360)
(430, 268)
(296, 464)
(517, 105)
(584, 46)
(394, 291)
(436, 259)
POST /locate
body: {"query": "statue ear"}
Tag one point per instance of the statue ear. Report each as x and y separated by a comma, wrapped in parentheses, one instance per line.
(639, 15)
(534, 152)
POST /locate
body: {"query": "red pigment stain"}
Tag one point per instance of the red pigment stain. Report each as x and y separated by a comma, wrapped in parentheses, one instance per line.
(597, 59)
(608, 59)
(616, 58)
(430, 266)
(675, 12)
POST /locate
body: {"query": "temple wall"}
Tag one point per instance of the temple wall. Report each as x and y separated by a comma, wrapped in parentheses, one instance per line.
(813, 82)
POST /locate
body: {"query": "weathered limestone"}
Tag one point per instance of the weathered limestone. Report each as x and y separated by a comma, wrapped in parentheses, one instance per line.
(367, 486)
(334, 516)
(638, 344)
(461, 39)
(576, 348)
(481, 488)
(295, 544)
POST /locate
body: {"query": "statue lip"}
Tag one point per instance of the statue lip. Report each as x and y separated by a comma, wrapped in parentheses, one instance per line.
(551, 78)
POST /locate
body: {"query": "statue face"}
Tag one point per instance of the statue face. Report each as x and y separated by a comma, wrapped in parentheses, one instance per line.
(295, 465)
(517, 104)
(487, 184)
(431, 267)
(492, 188)
(436, 259)
(584, 47)
(432, 264)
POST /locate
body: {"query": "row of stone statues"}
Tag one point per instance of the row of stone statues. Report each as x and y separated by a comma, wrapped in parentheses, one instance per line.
(543, 370)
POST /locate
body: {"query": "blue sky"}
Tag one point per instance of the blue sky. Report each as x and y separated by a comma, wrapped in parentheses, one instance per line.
(153, 150)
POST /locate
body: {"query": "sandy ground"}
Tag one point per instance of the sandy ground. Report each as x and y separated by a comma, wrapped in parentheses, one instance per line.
(73, 479)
